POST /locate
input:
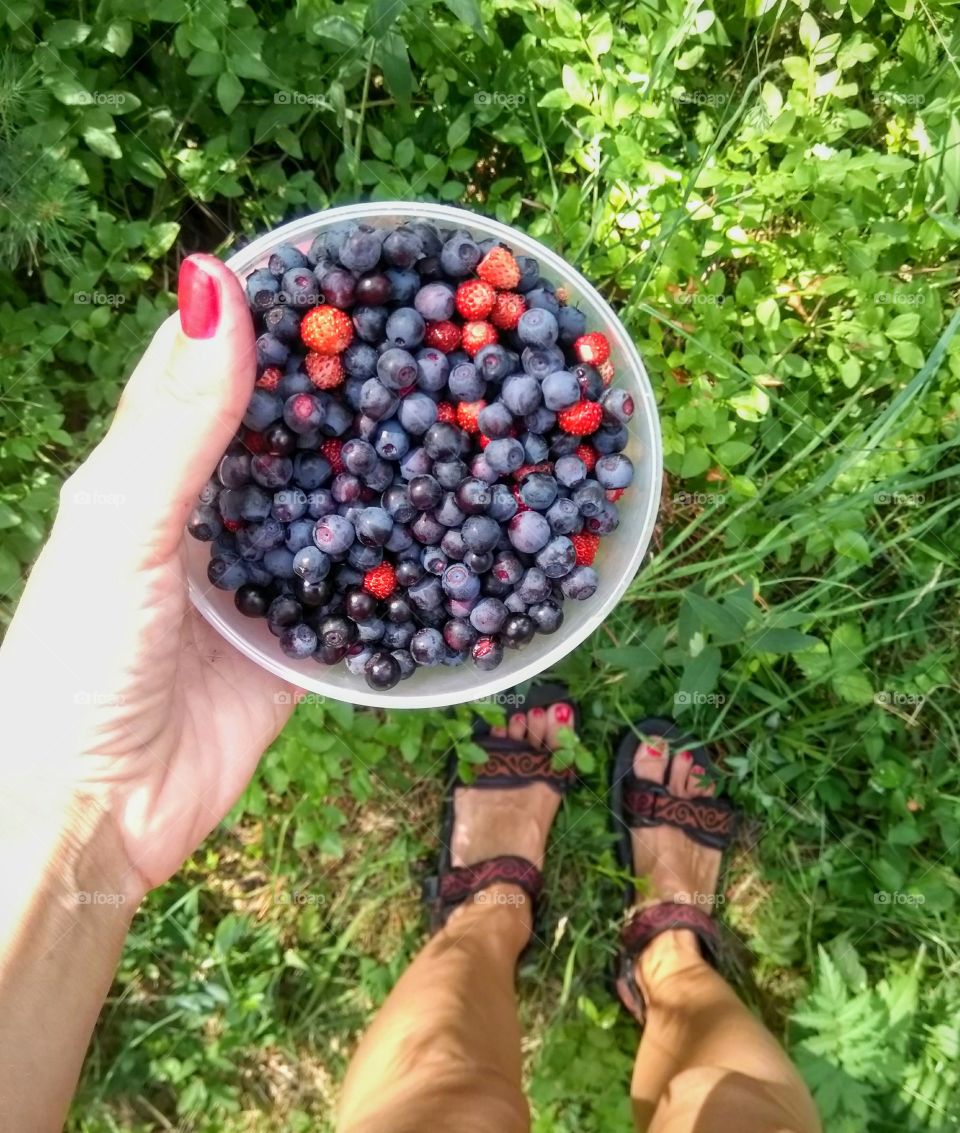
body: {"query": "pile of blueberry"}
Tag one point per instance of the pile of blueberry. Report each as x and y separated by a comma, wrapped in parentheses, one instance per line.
(428, 460)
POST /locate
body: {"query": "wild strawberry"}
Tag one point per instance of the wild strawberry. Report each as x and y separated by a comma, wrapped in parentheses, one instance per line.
(581, 418)
(475, 299)
(606, 372)
(588, 454)
(324, 370)
(483, 441)
(476, 336)
(381, 581)
(327, 330)
(443, 336)
(521, 506)
(270, 378)
(446, 413)
(467, 414)
(507, 309)
(526, 469)
(499, 269)
(586, 547)
(331, 450)
(233, 524)
(254, 442)
(592, 348)
(614, 494)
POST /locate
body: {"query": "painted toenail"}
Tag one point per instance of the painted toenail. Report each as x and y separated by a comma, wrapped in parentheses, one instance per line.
(686, 755)
(537, 712)
(697, 771)
(651, 752)
(563, 713)
(517, 718)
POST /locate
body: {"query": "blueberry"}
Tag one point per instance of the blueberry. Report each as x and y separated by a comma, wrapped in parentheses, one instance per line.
(294, 381)
(572, 323)
(488, 615)
(329, 655)
(459, 634)
(358, 456)
(376, 401)
(560, 389)
(283, 323)
(435, 302)
(563, 516)
(589, 498)
(327, 244)
(405, 327)
(517, 630)
(429, 237)
(279, 561)
(494, 362)
(289, 504)
(311, 563)
(442, 441)
(504, 455)
(503, 505)
(209, 492)
(507, 568)
(283, 612)
(303, 412)
(408, 572)
(271, 471)
(605, 521)
(403, 247)
(205, 523)
(542, 298)
(540, 421)
(311, 470)
(357, 658)
(547, 616)
(334, 535)
(570, 471)
(373, 290)
(363, 557)
(397, 369)
(433, 367)
(480, 468)
(534, 586)
(558, 557)
(427, 593)
(369, 323)
(495, 420)
(271, 351)
(459, 255)
(339, 288)
(460, 582)
(528, 532)
(487, 653)
(610, 438)
(398, 609)
(263, 287)
(434, 560)
(515, 604)
(396, 501)
(320, 502)
(425, 492)
(473, 496)
(448, 513)
(426, 530)
(312, 594)
(360, 251)
(371, 630)
(535, 448)
(391, 441)
(417, 413)
(521, 394)
(298, 641)
(614, 471)
(233, 470)
(537, 327)
(539, 362)
(279, 440)
(337, 631)
(407, 664)
(480, 533)
(589, 381)
(529, 273)
(580, 583)
(251, 601)
(404, 284)
(381, 477)
(478, 561)
(538, 491)
(382, 671)
(450, 473)
(427, 646)
(299, 288)
(465, 382)
(373, 526)
(452, 544)
(562, 444)
(401, 539)
(346, 488)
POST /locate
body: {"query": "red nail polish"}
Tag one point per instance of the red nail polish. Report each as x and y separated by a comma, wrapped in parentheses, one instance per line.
(685, 755)
(696, 771)
(651, 752)
(517, 716)
(563, 713)
(536, 712)
(198, 297)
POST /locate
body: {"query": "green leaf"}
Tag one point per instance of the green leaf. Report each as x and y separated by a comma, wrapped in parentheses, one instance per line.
(910, 354)
(338, 30)
(809, 31)
(951, 164)
(394, 62)
(700, 676)
(695, 462)
(404, 152)
(781, 639)
(768, 313)
(903, 326)
(854, 687)
(70, 91)
(159, 240)
(118, 37)
(575, 87)
(102, 142)
(853, 545)
(731, 453)
(723, 626)
(379, 142)
(381, 16)
(229, 92)
(468, 11)
(458, 131)
(68, 33)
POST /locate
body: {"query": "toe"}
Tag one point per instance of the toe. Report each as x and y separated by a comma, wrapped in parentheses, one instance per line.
(699, 785)
(557, 717)
(499, 731)
(517, 726)
(680, 772)
(650, 759)
(537, 727)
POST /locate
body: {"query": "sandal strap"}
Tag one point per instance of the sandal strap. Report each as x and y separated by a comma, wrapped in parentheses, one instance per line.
(644, 925)
(517, 765)
(455, 886)
(711, 821)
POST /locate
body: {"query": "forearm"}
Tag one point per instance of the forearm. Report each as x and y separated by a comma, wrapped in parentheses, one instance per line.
(66, 902)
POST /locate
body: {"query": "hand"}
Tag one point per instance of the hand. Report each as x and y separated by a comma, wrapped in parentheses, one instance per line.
(116, 690)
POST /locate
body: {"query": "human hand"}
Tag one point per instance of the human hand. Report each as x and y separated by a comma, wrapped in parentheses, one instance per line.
(116, 690)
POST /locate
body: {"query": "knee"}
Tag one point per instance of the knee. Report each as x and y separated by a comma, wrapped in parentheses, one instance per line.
(712, 1099)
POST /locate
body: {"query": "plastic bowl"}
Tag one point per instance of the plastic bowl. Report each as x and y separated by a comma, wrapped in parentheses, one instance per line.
(619, 555)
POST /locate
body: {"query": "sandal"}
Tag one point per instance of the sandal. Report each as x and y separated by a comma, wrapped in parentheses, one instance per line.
(637, 802)
(511, 763)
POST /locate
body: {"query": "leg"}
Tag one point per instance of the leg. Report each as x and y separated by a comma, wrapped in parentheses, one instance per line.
(444, 1051)
(705, 1064)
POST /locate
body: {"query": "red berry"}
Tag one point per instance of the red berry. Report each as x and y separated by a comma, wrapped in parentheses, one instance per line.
(507, 309)
(614, 494)
(443, 336)
(233, 524)
(381, 581)
(475, 299)
(499, 268)
(521, 506)
(588, 455)
(467, 414)
(606, 371)
(526, 469)
(581, 418)
(476, 336)
(331, 450)
(270, 378)
(483, 441)
(254, 442)
(592, 348)
(327, 330)
(324, 370)
(446, 413)
(586, 547)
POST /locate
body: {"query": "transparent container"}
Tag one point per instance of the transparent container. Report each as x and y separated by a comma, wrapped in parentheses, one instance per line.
(619, 555)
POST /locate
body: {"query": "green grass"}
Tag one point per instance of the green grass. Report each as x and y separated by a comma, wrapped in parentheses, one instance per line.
(769, 198)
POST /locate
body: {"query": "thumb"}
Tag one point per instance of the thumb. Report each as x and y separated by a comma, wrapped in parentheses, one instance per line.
(179, 409)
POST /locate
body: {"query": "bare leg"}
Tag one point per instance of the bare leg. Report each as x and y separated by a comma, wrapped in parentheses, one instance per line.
(444, 1052)
(705, 1064)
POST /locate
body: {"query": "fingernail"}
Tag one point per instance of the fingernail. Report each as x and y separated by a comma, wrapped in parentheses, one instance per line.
(651, 752)
(198, 297)
(563, 713)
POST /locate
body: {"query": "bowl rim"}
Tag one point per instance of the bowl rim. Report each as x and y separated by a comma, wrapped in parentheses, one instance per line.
(487, 686)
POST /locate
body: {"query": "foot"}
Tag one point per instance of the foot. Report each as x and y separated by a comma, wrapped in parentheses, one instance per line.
(669, 865)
